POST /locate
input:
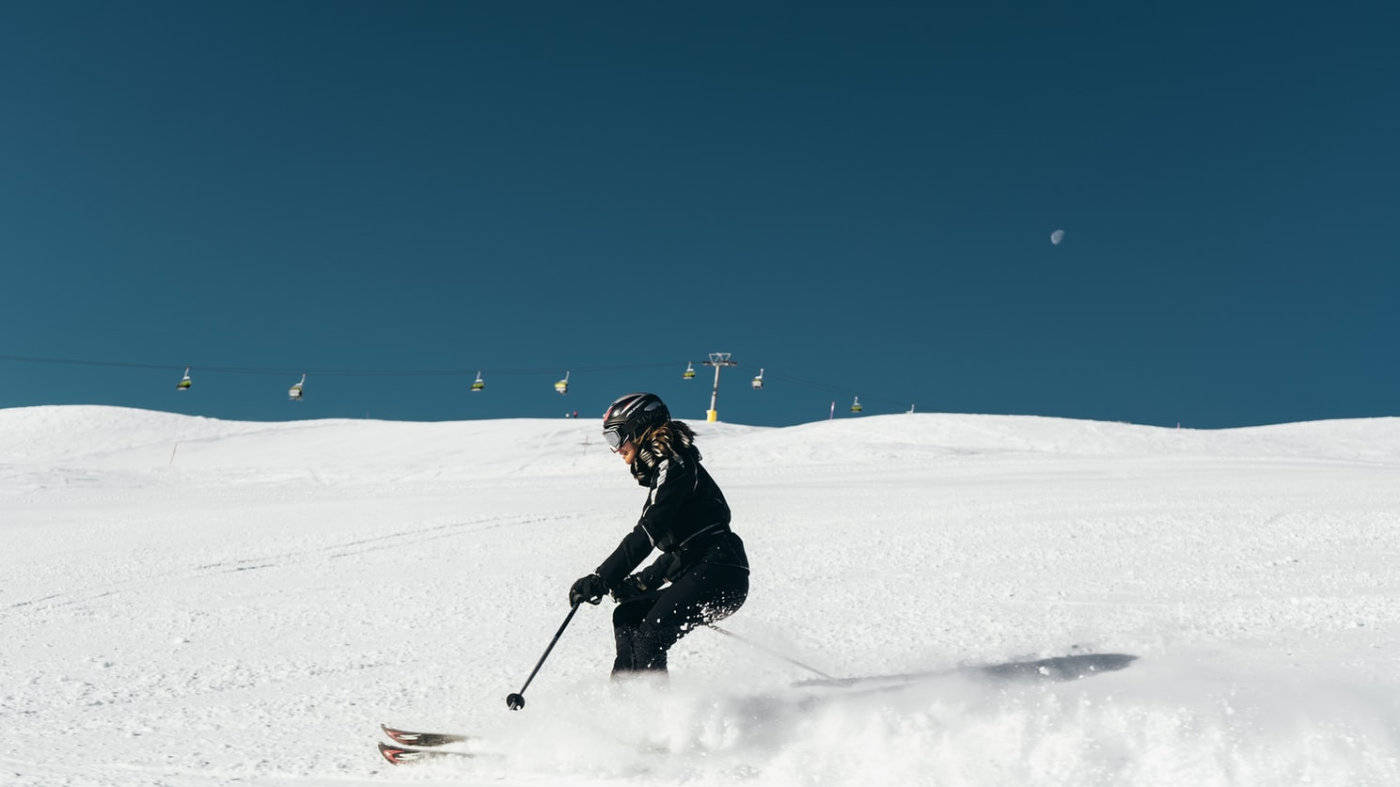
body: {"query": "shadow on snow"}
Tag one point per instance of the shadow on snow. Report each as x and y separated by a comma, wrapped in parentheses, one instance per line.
(1058, 668)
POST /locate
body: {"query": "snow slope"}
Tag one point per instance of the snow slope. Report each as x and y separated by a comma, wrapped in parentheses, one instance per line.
(190, 601)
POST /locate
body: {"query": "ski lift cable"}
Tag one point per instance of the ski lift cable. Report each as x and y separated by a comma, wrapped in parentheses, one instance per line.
(461, 372)
(836, 389)
(254, 370)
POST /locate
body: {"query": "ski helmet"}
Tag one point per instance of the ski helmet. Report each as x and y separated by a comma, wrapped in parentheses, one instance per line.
(631, 416)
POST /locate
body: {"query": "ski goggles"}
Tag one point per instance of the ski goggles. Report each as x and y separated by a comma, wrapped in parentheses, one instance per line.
(614, 438)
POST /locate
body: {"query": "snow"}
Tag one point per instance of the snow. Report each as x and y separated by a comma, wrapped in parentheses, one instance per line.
(188, 601)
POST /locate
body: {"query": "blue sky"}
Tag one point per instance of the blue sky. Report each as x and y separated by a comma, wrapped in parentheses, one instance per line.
(857, 199)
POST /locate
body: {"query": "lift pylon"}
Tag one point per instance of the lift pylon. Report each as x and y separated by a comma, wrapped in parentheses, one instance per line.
(719, 361)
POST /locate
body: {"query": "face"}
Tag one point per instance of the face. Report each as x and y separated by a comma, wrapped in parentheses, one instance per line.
(627, 452)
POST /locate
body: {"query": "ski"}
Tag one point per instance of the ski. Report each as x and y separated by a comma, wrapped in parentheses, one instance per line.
(400, 755)
(427, 739)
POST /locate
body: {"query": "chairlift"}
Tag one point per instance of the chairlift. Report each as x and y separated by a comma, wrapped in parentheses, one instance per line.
(479, 384)
(689, 373)
(185, 382)
(758, 381)
(294, 393)
(562, 386)
(855, 405)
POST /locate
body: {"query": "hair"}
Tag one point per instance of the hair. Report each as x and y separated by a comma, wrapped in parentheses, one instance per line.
(673, 439)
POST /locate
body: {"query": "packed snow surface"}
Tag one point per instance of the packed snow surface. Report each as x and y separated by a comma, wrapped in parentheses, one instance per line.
(188, 601)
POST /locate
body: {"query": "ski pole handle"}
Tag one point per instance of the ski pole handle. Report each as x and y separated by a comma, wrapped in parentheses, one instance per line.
(516, 701)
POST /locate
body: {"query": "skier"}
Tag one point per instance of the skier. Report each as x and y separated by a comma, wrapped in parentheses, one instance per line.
(702, 574)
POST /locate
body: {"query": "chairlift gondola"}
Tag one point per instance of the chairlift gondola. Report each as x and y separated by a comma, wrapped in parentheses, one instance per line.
(758, 381)
(294, 393)
(185, 382)
(855, 405)
(479, 384)
(689, 373)
(562, 386)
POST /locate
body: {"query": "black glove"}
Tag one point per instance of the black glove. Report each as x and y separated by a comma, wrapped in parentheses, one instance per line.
(654, 575)
(590, 588)
(631, 587)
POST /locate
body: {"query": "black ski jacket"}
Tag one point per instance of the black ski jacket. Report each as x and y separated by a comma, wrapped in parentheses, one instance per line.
(685, 516)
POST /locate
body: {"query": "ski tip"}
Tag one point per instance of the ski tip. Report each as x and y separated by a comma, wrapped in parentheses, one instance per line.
(400, 755)
(430, 739)
(391, 753)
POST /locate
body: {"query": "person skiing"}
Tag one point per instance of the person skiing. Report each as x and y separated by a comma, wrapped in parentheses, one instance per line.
(702, 574)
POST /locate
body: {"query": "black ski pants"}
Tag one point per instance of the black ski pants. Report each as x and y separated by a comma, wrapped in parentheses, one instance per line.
(648, 624)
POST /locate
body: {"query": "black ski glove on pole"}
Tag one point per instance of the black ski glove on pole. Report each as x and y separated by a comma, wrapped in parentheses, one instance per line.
(630, 588)
(648, 579)
(590, 588)
(655, 575)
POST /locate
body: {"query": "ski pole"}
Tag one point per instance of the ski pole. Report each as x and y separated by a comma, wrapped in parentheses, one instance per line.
(770, 651)
(516, 701)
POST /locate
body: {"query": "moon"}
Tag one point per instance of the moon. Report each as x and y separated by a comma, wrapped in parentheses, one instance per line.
(1056, 237)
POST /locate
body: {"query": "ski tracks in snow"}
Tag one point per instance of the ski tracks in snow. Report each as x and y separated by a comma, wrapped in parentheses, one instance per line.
(407, 538)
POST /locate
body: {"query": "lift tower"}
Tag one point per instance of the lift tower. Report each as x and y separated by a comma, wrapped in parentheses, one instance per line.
(719, 361)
